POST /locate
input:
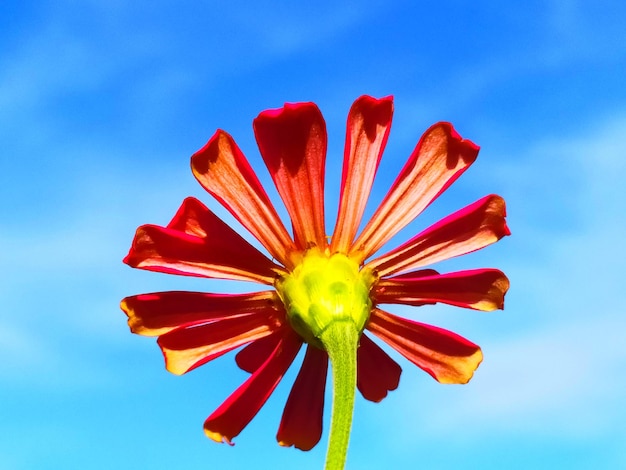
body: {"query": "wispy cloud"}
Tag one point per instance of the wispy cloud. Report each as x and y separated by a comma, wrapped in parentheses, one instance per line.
(556, 382)
(284, 30)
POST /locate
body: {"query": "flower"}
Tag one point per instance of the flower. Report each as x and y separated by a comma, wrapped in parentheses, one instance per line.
(312, 281)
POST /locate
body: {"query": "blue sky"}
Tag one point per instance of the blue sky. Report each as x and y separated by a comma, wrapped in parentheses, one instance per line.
(103, 102)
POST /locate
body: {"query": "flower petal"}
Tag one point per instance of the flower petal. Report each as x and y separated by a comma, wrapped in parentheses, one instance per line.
(301, 423)
(164, 250)
(157, 313)
(251, 357)
(238, 410)
(368, 127)
(415, 274)
(474, 227)
(439, 158)
(446, 356)
(377, 373)
(222, 169)
(292, 141)
(191, 346)
(479, 289)
(198, 243)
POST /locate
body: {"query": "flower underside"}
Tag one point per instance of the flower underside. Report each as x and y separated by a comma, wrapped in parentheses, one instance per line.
(323, 289)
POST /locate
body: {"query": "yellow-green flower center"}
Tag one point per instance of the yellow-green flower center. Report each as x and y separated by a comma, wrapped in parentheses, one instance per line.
(323, 289)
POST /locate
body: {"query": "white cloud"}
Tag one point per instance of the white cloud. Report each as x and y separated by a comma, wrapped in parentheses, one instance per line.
(556, 382)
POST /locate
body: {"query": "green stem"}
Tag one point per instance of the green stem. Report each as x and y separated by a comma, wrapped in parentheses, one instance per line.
(340, 340)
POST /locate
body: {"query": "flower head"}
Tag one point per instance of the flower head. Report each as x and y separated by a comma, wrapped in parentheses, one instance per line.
(315, 282)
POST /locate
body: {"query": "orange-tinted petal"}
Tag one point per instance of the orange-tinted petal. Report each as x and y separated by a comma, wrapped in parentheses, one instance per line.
(198, 243)
(368, 127)
(188, 347)
(251, 357)
(301, 424)
(377, 373)
(418, 273)
(292, 141)
(224, 172)
(439, 158)
(238, 410)
(446, 356)
(479, 289)
(469, 229)
(157, 313)
(414, 274)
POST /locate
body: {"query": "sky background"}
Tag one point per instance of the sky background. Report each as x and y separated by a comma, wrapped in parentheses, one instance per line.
(102, 102)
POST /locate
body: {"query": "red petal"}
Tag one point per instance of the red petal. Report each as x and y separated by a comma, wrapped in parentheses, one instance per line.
(238, 410)
(256, 353)
(368, 127)
(446, 356)
(301, 424)
(191, 346)
(224, 172)
(157, 313)
(292, 141)
(479, 289)
(439, 158)
(198, 243)
(474, 227)
(377, 373)
(418, 273)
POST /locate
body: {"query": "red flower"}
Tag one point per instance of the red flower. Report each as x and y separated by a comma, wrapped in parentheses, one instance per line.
(194, 328)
